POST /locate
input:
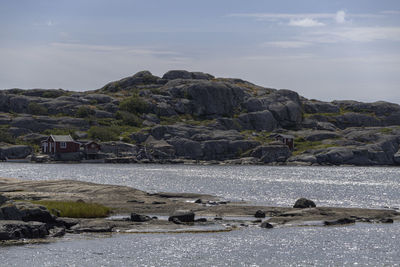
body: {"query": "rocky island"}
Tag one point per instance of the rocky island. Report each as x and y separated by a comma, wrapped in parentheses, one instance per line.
(194, 117)
(22, 220)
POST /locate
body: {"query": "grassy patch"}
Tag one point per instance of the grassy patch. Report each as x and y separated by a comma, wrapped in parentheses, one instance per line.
(185, 118)
(386, 130)
(73, 209)
(341, 112)
(301, 145)
(262, 137)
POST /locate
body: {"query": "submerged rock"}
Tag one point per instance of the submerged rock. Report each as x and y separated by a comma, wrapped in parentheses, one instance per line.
(266, 225)
(340, 221)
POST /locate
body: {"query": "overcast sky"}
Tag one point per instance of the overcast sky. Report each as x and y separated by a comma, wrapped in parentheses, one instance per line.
(323, 49)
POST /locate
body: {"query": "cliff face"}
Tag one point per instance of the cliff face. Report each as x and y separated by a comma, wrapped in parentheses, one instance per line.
(195, 116)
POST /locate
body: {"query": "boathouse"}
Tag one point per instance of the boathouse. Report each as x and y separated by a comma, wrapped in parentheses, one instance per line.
(91, 149)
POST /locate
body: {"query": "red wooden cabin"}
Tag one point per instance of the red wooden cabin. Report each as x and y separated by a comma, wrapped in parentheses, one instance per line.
(58, 144)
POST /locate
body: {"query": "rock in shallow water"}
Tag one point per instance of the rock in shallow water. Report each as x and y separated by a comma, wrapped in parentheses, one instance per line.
(18, 229)
(303, 203)
(266, 225)
(183, 216)
(259, 214)
(139, 218)
(339, 221)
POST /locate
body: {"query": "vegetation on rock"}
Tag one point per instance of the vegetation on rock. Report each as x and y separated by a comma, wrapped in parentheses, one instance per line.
(74, 209)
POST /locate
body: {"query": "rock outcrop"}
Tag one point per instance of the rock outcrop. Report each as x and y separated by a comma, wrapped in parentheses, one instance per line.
(187, 115)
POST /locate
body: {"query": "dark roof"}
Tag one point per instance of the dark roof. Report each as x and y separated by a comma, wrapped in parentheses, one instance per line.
(62, 138)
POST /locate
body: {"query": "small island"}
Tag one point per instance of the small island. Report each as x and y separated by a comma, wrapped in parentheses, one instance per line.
(28, 213)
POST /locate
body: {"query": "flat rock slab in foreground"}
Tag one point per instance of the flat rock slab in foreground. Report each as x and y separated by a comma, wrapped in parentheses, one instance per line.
(123, 199)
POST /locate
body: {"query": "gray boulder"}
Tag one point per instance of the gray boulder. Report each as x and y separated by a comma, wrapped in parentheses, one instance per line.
(3, 199)
(139, 218)
(19, 104)
(321, 135)
(306, 158)
(335, 155)
(352, 119)
(339, 222)
(259, 214)
(4, 102)
(159, 149)
(31, 124)
(213, 98)
(177, 74)
(16, 132)
(274, 152)
(26, 212)
(266, 225)
(182, 216)
(314, 106)
(225, 149)
(186, 148)
(303, 203)
(99, 98)
(10, 230)
(183, 74)
(259, 121)
(140, 78)
(15, 152)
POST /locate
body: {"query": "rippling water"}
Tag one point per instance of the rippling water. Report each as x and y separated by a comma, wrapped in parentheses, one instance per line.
(371, 187)
(360, 244)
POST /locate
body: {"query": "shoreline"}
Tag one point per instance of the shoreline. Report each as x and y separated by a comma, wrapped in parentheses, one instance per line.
(215, 215)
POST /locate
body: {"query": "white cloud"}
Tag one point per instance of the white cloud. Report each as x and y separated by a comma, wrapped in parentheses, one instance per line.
(287, 44)
(307, 22)
(340, 17)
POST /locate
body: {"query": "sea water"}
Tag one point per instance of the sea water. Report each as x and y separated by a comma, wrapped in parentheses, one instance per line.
(360, 244)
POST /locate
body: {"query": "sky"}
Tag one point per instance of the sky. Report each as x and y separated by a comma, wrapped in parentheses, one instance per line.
(322, 49)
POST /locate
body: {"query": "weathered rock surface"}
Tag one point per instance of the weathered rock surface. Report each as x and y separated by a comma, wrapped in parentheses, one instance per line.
(182, 216)
(195, 116)
(26, 212)
(18, 229)
(303, 203)
(274, 152)
(15, 152)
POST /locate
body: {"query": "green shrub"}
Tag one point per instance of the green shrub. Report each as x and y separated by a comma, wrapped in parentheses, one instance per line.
(105, 133)
(53, 94)
(386, 130)
(37, 109)
(128, 118)
(84, 112)
(301, 145)
(69, 131)
(134, 104)
(73, 209)
(6, 137)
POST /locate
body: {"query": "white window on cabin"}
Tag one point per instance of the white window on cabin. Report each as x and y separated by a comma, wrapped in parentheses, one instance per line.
(63, 145)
